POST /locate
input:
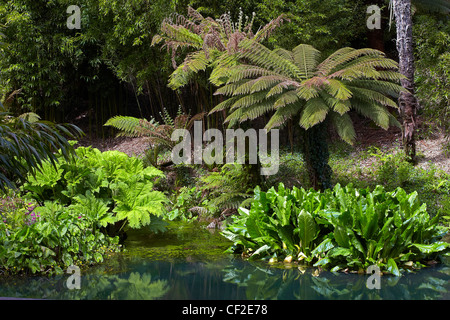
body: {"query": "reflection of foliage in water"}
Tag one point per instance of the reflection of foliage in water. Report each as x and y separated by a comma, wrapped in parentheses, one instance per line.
(217, 276)
(102, 286)
(263, 282)
(181, 241)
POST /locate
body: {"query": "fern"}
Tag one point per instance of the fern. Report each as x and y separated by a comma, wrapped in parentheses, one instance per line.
(228, 188)
(212, 42)
(131, 126)
(297, 83)
(158, 135)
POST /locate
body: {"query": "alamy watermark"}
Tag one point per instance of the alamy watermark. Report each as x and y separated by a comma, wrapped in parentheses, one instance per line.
(234, 141)
(374, 281)
(74, 20)
(74, 281)
(374, 20)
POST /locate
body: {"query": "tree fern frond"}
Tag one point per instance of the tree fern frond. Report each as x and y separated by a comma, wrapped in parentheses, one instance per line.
(266, 82)
(262, 56)
(282, 86)
(179, 34)
(231, 87)
(363, 64)
(306, 57)
(389, 75)
(224, 104)
(245, 71)
(256, 110)
(248, 100)
(315, 111)
(342, 56)
(339, 106)
(267, 30)
(285, 54)
(372, 95)
(193, 63)
(379, 114)
(383, 87)
(280, 117)
(338, 89)
(307, 92)
(285, 99)
(344, 127)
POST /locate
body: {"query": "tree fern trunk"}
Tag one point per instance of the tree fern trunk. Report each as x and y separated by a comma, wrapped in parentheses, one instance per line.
(315, 151)
(407, 100)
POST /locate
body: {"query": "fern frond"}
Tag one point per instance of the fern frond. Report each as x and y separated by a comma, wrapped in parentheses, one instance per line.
(337, 105)
(285, 99)
(245, 71)
(266, 82)
(372, 95)
(374, 111)
(285, 54)
(383, 87)
(338, 89)
(230, 88)
(342, 56)
(262, 56)
(315, 111)
(131, 126)
(306, 57)
(344, 127)
(307, 92)
(280, 117)
(257, 110)
(193, 63)
(224, 104)
(249, 100)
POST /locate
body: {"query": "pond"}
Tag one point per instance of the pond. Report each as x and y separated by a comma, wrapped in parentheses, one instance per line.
(188, 262)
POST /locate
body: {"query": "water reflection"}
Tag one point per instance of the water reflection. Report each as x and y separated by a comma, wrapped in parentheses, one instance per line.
(229, 278)
(188, 263)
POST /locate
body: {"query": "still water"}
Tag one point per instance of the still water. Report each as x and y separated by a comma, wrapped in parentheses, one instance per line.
(187, 262)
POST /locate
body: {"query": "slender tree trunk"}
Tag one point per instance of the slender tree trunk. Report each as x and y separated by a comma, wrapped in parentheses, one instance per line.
(407, 100)
(316, 153)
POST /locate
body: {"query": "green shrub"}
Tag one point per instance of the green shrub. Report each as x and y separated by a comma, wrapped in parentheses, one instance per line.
(184, 204)
(50, 238)
(339, 228)
(109, 180)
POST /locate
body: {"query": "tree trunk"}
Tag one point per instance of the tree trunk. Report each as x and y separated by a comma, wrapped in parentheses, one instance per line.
(407, 100)
(316, 153)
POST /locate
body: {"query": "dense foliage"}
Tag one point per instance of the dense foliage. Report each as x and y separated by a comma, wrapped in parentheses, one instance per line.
(26, 141)
(342, 228)
(75, 205)
(111, 185)
(303, 86)
(50, 238)
(79, 210)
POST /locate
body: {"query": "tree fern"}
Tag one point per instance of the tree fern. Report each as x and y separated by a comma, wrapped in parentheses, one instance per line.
(298, 77)
(297, 83)
(210, 40)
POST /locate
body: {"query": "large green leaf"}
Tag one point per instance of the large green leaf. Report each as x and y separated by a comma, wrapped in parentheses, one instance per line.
(306, 230)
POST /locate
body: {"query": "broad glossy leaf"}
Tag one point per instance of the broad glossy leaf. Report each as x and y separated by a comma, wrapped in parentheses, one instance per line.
(306, 230)
(391, 266)
(432, 248)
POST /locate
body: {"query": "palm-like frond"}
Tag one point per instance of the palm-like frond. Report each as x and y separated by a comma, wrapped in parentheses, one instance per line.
(290, 83)
(25, 144)
(213, 41)
(157, 134)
